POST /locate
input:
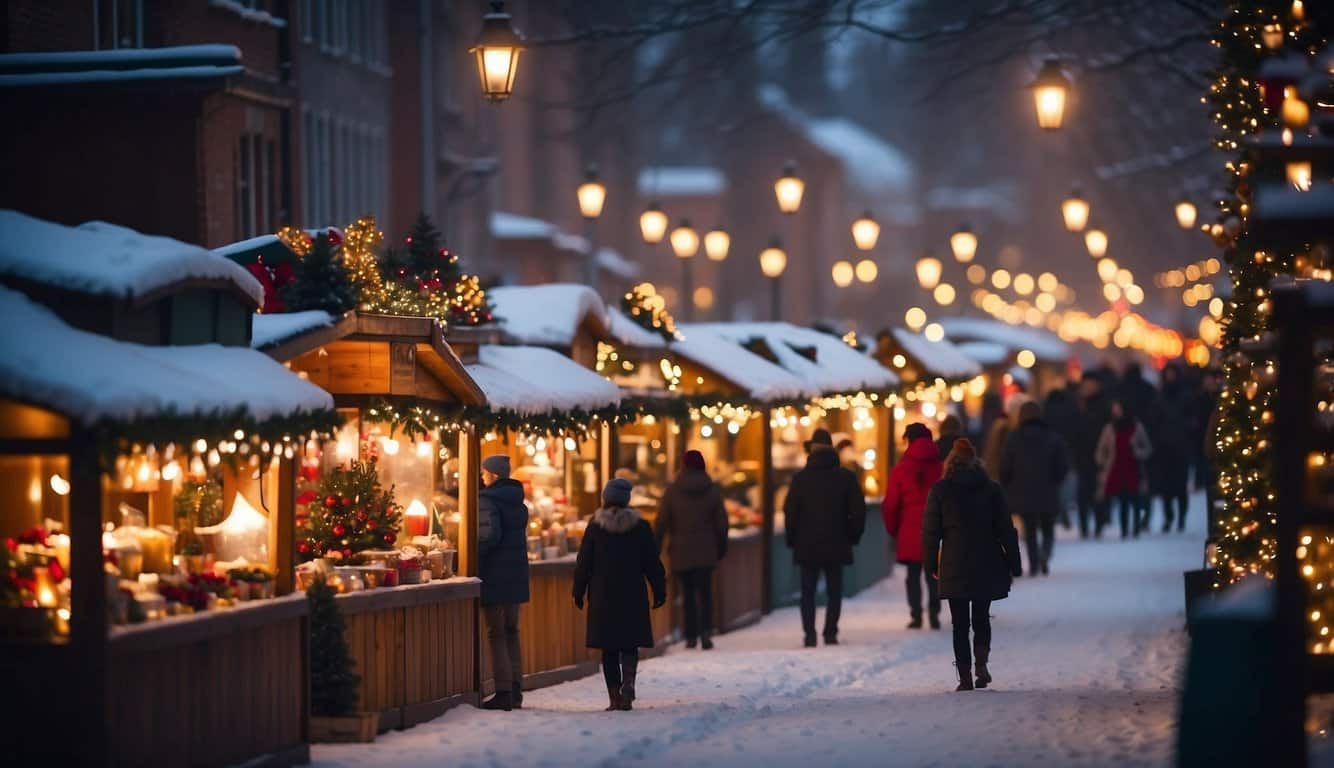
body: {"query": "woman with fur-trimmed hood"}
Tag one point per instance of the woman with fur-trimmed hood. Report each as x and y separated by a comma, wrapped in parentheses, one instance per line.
(617, 555)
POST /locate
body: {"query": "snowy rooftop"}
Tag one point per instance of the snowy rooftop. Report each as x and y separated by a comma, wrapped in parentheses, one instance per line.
(1047, 346)
(1277, 202)
(105, 259)
(512, 226)
(611, 260)
(267, 330)
(758, 377)
(119, 65)
(534, 380)
(630, 333)
(837, 368)
(940, 357)
(984, 352)
(547, 315)
(681, 181)
(122, 381)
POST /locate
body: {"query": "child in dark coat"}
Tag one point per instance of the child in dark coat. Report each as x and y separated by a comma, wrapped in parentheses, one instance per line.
(617, 555)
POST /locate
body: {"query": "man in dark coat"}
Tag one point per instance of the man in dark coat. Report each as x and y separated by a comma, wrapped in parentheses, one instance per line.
(617, 555)
(1061, 413)
(693, 522)
(502, 549)
(826, 515)
(969, 543)
(1170, 431)
(1094, 413)
(951, 429)
(1033, 468)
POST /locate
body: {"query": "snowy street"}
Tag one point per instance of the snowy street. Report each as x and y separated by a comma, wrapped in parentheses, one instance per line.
(1086, 665)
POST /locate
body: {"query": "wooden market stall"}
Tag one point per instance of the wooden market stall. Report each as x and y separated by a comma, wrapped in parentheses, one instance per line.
(1032, 359)
(148, 488)
(395, 380)
(937, 379)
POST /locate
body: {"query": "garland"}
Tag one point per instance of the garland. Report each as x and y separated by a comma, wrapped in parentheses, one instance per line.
(233, 433)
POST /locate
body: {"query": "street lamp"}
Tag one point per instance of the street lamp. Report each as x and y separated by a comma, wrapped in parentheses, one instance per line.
(964, 244)
(1050, 88)
(928, 272)
(1075, 211)
(653, 224)
(592, 193)
(685, 244)
(497, 50)
(843, 273)
(1096, 242)
(1185, 211)
(789, 188)
(716, 244)
(867, 271)
(865, 231)
(773, 260)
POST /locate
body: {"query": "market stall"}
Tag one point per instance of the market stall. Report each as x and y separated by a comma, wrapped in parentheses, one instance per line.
(1031, 359)
(938, 380)
(402, 564)
(148, 500)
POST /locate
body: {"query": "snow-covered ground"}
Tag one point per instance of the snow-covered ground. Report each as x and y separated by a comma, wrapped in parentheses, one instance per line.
(1087, 664)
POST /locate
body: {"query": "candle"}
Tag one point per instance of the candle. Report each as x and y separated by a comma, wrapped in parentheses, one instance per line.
(60, 541)
(417, 518)
(44, 587)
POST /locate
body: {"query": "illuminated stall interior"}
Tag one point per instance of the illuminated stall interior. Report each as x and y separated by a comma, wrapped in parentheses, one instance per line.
(938, 379)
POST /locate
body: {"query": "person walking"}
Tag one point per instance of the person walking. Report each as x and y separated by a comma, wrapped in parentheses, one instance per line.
(970, 545)
(825, 515)
(1033, 469)
(1000, 431)
(502, 564)
(905, 499)
(692, 521)
(1171, 425)
(617, 555)
(951, 429)
(1061, 412)
(1092, 417)
(1122, 446)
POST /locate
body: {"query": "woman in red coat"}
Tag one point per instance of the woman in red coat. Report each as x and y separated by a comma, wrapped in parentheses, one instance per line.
(905, 498)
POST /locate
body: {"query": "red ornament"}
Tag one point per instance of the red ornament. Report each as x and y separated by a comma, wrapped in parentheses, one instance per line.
(371, 525)
(303, 547)
(361, 514)
(347, 553)
(335, 237)
(389, 537)
(57, 571)
(345, 501)
(329, 501)
(339, 529)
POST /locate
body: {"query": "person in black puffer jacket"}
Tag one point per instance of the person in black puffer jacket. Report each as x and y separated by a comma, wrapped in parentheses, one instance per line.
(969, 543)
(1034, 463)
(693, 521)
(617, 555)
(826, 515)
(502, 547)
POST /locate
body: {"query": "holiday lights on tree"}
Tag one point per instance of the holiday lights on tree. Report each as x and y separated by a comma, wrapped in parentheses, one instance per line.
(360, 240)
(648, 308)
(426, 281)
(351, 513)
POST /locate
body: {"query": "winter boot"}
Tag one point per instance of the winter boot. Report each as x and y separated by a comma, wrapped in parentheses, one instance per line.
(516, 695)
(965, 676)
(983, 674)
(935, 621)
(691, 642)
(706, 641)
(614, 699)
(628, 692)
(810, 642)
(916, 622)
(831, 639)
(501, 701)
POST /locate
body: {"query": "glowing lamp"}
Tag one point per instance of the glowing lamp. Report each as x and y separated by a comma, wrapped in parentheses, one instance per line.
(1272, 35)
(944, 294)
(497, 50)
(1026, 358)
(865, 231)
(867, 271)
(242, 535)
(915, 318)
(843, 273)
(1096, 242)
(964, 244)
(592, 194)
(685, 240)
(1299, 175)
(1296, 113)
(416, 518)
(716, 244)
(789, 188)
(928, 272)
(1050, 88)
(1075, 212)
(934, 332)
(653, 224)
(773, 260)
(1186, 213)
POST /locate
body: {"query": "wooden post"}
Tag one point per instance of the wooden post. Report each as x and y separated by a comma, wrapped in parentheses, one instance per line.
(767, 510)
(607, 440)
(285, 526)
(470, 462)
(88, 599)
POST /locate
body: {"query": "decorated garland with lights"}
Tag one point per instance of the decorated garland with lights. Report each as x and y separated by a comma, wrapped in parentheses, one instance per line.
(648, 309)
(225, 436)
(426, 282)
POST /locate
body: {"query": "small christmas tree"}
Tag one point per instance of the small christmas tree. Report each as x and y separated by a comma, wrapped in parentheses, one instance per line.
(425, 280)
(333, 682)
(353, 513)
(320, 281)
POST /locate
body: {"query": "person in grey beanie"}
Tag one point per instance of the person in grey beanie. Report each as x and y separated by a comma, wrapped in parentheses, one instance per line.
(617, 555)
(502, 547)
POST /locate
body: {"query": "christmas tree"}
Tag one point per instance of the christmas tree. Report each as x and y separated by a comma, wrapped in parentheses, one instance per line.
(353, 513)
(333, 683)
(427, 281)
(320, 281)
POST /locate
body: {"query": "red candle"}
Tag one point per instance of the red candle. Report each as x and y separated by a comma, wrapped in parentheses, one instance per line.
(417, 520)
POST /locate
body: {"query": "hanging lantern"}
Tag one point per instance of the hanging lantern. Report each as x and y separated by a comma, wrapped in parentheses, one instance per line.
(1186, 212)
(685, 240)
(1272, 35)
(1050, 88)
(865, 231)
(1296, 113)
(928, 272)
(964, 244)
(789, 188)
(497, 50)
(773, 260)
(653, 224)
(592, 193)
(716, 244)
(1075, 211)
(867, 271)
(843, 273)
(1299, 175)
(1096, 242)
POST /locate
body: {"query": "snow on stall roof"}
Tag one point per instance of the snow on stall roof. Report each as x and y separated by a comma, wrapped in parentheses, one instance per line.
(940, 357)
(628, 332)
(534, 380)
(123, 381)
(837, 368)
(681, 181)
(760, 378)
(105, 259)
(547, 315)
(512, 226)
(243, 246)
(1021, 375)
(567, 242)
(269, 329)
(611, 260)
(1276, 202)
(185, 61)
(984, 352)
(1047, 346)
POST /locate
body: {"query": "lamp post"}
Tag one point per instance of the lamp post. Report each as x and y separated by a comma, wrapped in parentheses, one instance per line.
(497, 50)
(1075, 211)
(773, 260)
(928, 271)
(653, 223)
(685, 244)
(1050, 88)
(592, 194)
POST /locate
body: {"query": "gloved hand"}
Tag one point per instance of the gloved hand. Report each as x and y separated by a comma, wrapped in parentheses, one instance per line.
(579, 602)
(659, 601)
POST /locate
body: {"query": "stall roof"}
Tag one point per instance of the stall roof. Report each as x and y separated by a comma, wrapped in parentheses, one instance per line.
(758, 377)
(546, 315)
(630, 333)
(1047, 346)
(120, 65)
(837, 368)
(940, 357)
(269, 329)
(532, 381)
(984, 352)
(122, 381)
(105, 259)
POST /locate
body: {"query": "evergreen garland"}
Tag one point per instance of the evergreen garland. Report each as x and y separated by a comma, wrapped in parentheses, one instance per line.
(333, 681)
(352, 513)
(320, 281)
(200, 503)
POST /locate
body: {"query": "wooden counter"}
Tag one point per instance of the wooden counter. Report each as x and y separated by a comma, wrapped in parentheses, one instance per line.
(414, 647)
(738, 581)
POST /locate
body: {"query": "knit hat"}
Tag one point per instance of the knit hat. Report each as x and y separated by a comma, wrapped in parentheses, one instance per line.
(693, 460)
(498, 465)
(916, 430)
(616, 493)
(962, 451)
(821, 437)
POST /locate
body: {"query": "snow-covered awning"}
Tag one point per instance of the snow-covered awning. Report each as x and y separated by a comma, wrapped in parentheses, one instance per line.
(1045, 345)
(105, 259)
(90, 378)
(534, 381)
(547, 315)
(269, 329)
(985, 352)
(191, 62)
(939, 357)
(681, 181)
(512, 226)
(824, 363)
(611, 260)
(630, 333)
(754, 375)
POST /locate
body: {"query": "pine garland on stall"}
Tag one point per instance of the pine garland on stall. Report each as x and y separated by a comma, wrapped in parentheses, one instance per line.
(333, 681)
(427, 281)
(352, 513)
(320, 281)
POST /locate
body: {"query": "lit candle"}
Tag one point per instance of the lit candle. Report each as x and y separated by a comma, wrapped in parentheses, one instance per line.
(44, 587)
(417, 519)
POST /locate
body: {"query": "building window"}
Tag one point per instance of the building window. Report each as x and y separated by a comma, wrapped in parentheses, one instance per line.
(118, 24)
(307, 167)
(325, 24)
